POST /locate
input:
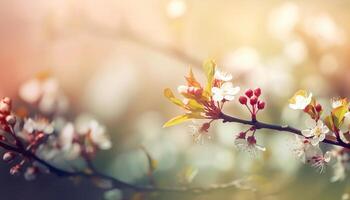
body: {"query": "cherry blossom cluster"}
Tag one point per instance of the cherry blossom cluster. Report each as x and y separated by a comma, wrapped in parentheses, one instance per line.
(333, 127)
(52, 139)
(205, 102)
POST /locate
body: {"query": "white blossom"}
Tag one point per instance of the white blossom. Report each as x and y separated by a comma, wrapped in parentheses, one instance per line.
(97, 133)
(225, 92)
(300, 100)
(38, 125)
(316, 130)
(46, 93)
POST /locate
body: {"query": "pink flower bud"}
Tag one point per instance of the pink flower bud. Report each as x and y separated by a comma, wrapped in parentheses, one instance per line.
(249, 93)
(4, 108)
(253, 100)
(243, 100)
(15, 170)
(261, 105)
(11, 119)
(257, 92)
(7, 100)
(8, 156)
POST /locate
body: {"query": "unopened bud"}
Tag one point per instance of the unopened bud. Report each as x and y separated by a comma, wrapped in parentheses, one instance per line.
(4, 108)
(15, 170)
(11, 119)
(249, 93)
(257, 92)
(7, 100)
(8, 156)
(251, 140)
(205, 127)
(318, 108)
(2, 138)
(241, 135)
(253, 100)
(261, 105)
(243, 100)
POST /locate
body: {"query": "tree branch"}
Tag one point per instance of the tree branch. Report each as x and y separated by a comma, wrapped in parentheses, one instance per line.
(283, 128)
(148, 188)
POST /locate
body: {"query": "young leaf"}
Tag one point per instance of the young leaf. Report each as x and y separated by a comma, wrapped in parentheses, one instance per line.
(209, 69)
(191, 80)
(339, 114)
(169, 95)
(177, 120)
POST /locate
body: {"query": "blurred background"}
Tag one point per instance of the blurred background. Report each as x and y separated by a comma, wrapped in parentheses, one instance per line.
(113, 58)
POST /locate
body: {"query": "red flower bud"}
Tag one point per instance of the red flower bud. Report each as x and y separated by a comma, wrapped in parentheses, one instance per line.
(241, 135)
(249, 93)
(251, 140)
(243, 100)
(257, 92)
(205, 127)
(318, 108)
(253, 100)
(261, 105)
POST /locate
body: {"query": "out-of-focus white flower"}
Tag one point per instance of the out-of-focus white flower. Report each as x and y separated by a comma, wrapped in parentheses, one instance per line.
(337, 102)
(324, 30)
(97, 134)
(38, 125)
(300, 147)
(66, 136)
(300, 100)
(222, 76)
(30, 173)
(46, 93)
(296, 51)
(341, 165)
(345, 196)
(338, 172)
(283, 20)
(225, 92)
(199, 132)
(242, 60)
(316, 130)
(176, 8)
(70, 149)
(328, 64)
(246, 142)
